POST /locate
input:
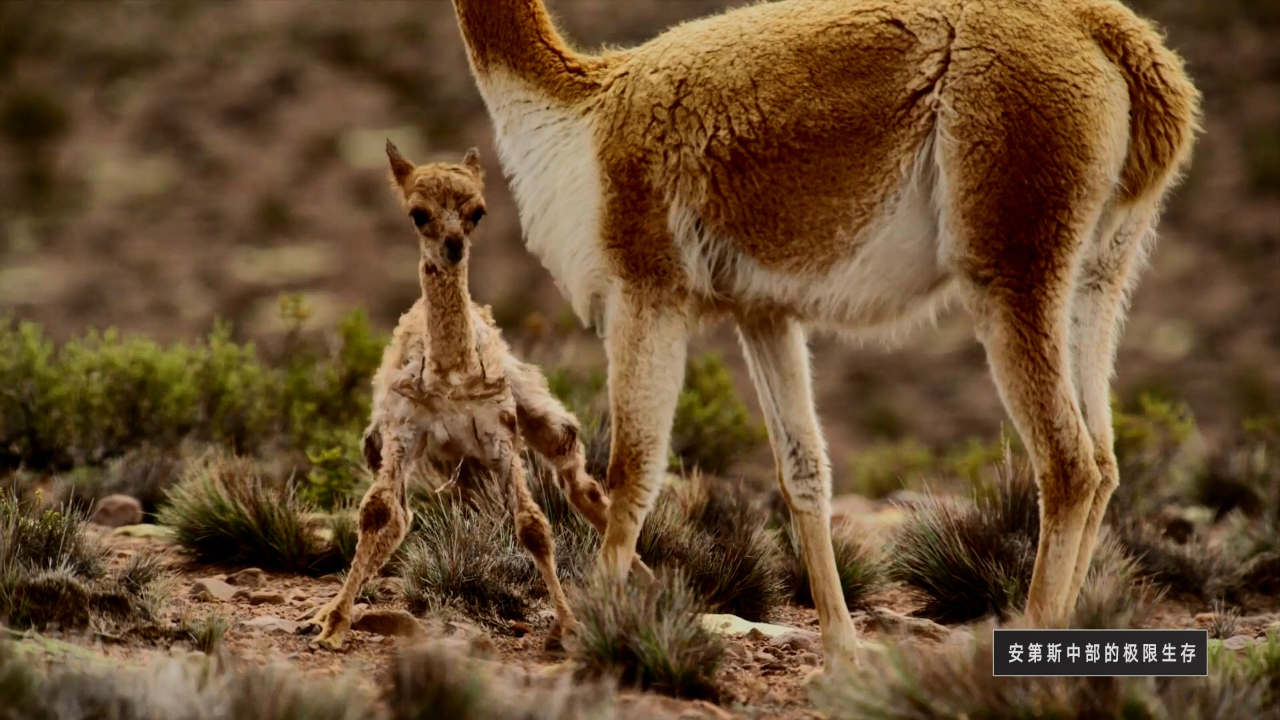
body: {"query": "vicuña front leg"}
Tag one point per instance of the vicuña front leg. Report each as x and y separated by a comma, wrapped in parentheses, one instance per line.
(778, 359)
(534, 533)
(383, 525)
(646, 347)
(553, 432)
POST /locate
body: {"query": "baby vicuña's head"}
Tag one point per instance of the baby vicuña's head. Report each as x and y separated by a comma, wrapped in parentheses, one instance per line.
(444, 201)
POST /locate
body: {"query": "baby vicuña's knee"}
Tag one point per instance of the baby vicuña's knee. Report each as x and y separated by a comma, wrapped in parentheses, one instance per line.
(380, 514)
(534, 533)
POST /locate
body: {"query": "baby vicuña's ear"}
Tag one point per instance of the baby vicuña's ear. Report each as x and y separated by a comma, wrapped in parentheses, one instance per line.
(472, 160)
(400, 168)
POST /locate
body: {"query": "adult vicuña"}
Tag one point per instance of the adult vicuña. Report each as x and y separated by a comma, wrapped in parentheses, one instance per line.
(849, 165)
(449, 388)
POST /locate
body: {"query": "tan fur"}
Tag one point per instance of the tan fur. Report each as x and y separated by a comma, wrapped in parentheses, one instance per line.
(849, 165)
(449, 388)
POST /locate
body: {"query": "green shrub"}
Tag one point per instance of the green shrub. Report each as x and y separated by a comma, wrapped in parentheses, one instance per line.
(1156, 452)
(647, 636)
(101, 396)
(712, 426)
(887, 466)
(225, 511)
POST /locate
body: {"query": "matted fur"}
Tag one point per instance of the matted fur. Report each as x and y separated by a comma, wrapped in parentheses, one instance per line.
(849, 166)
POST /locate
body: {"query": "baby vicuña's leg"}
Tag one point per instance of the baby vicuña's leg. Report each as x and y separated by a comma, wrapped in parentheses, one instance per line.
(384, 521)
(532, 528)
(553, 432)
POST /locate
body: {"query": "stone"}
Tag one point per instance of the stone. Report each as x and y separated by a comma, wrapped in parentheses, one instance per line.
(248, 578)
(397, 623)
(889, 621)
(797, 640)
(116, 511)
(271, 624)
(734, 625)
(1238, 642)
(521, 628)
(266, 598)
(146, 531)
(209, 589)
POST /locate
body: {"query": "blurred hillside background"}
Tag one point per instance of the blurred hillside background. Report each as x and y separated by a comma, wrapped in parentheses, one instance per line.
(163, 164)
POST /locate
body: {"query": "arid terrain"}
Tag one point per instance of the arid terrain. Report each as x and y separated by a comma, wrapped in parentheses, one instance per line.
(169, 166)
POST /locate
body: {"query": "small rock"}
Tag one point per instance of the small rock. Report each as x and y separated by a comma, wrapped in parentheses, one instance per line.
(387, 622)
(809, 659)
(738, 650)
(116, 511)
(756, 635)
(1238, 642)
(764, 657)
(266, 598)
(249, 578)
(889, 621)
(521, 628)
(212, 589)
(798, 640)
(271, 624)
(293, 656)
(145, 530)
(242, 594)
(330, 579)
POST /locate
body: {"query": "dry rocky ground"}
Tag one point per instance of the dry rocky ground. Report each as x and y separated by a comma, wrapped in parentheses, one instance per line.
(762, 675)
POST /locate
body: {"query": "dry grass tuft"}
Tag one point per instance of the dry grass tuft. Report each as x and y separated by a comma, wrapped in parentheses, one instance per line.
(647, 636)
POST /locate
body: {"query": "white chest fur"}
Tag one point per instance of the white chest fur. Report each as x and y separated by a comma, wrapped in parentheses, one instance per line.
(549, 156)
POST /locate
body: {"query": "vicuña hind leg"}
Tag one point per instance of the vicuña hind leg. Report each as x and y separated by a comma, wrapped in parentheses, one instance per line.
(778, 359)
(1097, 313)
(384, 521)
(552, 432)
(1025, 336)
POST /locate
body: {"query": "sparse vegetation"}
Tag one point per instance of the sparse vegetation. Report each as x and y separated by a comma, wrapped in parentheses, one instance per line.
(862, 572)
(204, 632)
(718, 539)
(52, 572)
(461, 557)
(171, 688)
(227, 511)
(913, 683)
(648, 636)
(971, 558)
(435, 681)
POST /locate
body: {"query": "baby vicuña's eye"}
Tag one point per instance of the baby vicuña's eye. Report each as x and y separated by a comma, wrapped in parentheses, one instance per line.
(477, 216)
(420, 217)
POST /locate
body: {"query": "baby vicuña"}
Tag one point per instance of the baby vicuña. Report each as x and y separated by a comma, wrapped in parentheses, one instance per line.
(448, 389)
